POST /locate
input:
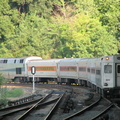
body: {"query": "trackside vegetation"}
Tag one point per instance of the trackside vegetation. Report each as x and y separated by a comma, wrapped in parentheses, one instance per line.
(6, 93)
(3, 100)
(59, 28)
(16, 92)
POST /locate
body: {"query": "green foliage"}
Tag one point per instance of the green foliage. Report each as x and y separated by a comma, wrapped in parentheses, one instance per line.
(59, 28)
(3, 100)
(31, 38)
(16, 92)
(2, 79)
(109, 12)
(7, 93)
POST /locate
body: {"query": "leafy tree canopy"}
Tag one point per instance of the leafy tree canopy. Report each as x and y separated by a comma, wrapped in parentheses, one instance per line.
(59, 28)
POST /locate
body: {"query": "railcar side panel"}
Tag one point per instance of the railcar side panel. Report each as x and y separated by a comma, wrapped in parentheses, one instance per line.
(68, 68)
(98, 73)
(45, 69)
(82, 68)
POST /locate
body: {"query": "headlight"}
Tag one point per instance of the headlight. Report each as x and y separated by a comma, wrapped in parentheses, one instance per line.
(105, 84)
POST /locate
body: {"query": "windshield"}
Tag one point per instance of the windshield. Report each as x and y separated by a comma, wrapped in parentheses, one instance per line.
(108, 68)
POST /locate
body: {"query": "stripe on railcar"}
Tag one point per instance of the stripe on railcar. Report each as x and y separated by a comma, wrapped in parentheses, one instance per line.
(44, 68)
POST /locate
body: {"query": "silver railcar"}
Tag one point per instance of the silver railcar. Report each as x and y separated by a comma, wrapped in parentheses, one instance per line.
(46, 70)
(16, 68)
(68, 70)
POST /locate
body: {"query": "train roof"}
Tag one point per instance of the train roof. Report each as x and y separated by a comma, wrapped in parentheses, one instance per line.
(70, 59)
(18, 59)
(46, 60)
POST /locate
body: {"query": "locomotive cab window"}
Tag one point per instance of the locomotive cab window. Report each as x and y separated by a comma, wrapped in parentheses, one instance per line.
(108, 68)
(118, 69)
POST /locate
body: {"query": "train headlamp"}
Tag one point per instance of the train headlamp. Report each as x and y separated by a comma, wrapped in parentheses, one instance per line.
(105, 84)
(107, 58)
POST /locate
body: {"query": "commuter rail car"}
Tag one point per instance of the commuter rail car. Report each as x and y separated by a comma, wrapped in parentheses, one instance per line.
(46, 70)
(68, 71)
(16, 68)
(103, 75)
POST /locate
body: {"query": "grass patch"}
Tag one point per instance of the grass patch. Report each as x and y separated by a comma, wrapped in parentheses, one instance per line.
(16, 92)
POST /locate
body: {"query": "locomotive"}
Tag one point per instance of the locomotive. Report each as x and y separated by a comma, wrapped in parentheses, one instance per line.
(102, 74)
(15, 69)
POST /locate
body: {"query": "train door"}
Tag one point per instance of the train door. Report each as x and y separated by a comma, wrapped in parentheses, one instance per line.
(118, 75)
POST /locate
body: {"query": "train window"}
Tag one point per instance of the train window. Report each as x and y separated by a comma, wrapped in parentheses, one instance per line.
(88, 70)
(44, 68)
(21, 61)
(72, 69)
(97, 72)
(5, 61)
(92, 70)
(118, 69)
(82, 69)
(14, 61)
(18, 71)
(108, 68)
(118, 58)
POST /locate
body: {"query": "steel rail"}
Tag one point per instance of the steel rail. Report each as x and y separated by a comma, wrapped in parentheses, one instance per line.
(83, 110)
(8, 111)
(34, 106)
(48, 117)
(104, 111)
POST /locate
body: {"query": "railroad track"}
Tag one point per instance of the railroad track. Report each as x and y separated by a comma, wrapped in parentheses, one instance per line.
(17, 106)
(42, 109)
(21, 113)
(4, 113)
(93, 111)
(63, 108)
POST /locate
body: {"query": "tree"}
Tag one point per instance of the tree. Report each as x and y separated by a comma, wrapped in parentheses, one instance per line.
(42, 8)
(31, 38)
(6, 25)
(21, 6)
(64, 28)
(83, 38)
(60, 35)
(89, 33)
(109, 13)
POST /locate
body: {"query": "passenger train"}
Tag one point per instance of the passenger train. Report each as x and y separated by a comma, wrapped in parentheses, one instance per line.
(102, 74)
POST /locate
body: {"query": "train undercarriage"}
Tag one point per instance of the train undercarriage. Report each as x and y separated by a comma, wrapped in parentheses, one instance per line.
(108, 93)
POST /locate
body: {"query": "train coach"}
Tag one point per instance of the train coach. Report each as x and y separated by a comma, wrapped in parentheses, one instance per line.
(46, 70)
(110, 75)
(104, 75)
(68, 71)
(15, 69)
